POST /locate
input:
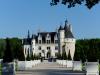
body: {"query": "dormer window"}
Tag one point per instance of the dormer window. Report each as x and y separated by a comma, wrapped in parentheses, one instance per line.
(39, 48)
(48, 41)
(39, 36)
(40, 41)
(48, 36)
(56, 41)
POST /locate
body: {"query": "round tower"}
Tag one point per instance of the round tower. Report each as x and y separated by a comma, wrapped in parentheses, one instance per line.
(69, 40)
(61, 36)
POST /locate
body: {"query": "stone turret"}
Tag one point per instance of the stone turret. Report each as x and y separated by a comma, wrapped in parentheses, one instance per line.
(66, 39)
(61, 38)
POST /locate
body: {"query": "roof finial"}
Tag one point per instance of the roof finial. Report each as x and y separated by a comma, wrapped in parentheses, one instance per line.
(66, 21)
(28, 34)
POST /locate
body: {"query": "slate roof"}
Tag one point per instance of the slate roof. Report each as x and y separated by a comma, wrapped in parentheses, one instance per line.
(68, 34)
(44, 35)
(61, 28)
(66, 28)
(27, 41)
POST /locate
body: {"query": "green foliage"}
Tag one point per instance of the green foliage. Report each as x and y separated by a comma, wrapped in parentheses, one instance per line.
(48, 54)
(8, 54)
(88, 49)
(28, 58)
(15, 46)
(72, 3)
(21, 56)
(76, 56)
(35, 57)
(85, 49)
(59, 56)
(64, 56)
(32, 57)
(69, 56)
(2, 47)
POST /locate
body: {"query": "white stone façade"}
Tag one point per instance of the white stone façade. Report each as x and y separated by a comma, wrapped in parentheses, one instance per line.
(48, 44)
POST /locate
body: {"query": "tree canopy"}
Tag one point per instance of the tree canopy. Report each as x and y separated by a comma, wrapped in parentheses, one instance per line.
(87, 49)
(15, 45)
(8, 54)
(72, 3)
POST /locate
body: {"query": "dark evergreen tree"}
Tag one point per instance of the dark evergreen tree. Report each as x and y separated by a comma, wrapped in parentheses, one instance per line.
(64, 56)
(21, 56)
(28, 58)
(16, 47)
(82, 56)
(8, 54)
(76, 56)
(69, 56)
(32, 57)
(59, 56)
(92, 54)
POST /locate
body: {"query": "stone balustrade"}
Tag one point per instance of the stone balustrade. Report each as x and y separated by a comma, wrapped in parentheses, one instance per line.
(27, 65)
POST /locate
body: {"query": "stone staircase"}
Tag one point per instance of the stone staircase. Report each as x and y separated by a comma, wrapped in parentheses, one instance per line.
(48, 65)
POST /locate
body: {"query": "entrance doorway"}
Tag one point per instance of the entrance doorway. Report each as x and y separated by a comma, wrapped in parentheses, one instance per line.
(48, 54)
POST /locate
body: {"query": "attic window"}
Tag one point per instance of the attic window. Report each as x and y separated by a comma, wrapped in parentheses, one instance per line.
(48, 36)
(39, 48)
(56, 41)
(39, 41)
(32, 42)
(48, 41)
(56, 47)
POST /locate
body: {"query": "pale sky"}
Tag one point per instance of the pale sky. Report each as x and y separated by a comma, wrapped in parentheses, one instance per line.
(19, 16)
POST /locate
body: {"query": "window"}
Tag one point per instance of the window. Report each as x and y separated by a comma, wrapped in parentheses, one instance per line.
(48, 48)
(39, 48)
(48, 41)
(56, 47)
(33, 48)
(56, 41)
(39, 41)
(48, 36)
(32, 42)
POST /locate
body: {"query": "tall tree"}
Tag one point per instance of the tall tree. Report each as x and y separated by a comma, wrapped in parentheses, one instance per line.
(76, 55)
(69, 56)
(72, 3)
(64, 56)
(28, 58)
(2, 47)
(8, 54)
